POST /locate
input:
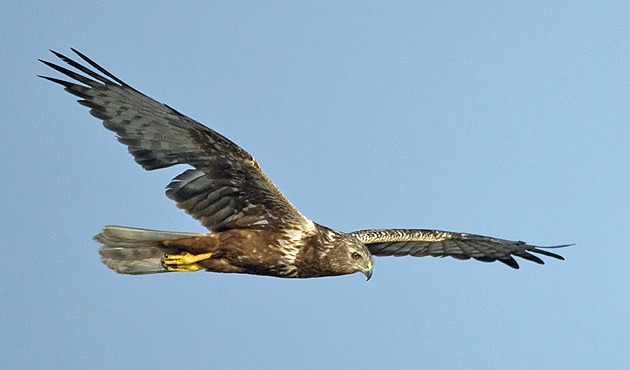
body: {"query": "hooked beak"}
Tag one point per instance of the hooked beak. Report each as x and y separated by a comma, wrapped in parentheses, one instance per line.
(367, 271)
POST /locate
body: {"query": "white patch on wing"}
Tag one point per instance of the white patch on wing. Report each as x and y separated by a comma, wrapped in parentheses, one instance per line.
(330, 236)
(291, 239)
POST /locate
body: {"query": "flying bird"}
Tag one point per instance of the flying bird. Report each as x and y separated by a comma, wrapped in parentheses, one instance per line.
(253, 228)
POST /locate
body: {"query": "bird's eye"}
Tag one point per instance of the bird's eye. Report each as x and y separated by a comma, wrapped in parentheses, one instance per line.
(356, 255)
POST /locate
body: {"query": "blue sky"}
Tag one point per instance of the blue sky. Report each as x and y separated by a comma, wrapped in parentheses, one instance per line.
(493, 118)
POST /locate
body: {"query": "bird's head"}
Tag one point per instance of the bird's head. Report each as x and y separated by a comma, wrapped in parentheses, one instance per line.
(350, 255)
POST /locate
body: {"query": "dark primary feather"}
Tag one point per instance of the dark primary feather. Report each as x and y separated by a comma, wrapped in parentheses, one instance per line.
(226, 189)
(436, 243)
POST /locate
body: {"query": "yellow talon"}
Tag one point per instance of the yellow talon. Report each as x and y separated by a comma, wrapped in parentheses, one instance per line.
(185, 259)
(185, 268)
(184, 262)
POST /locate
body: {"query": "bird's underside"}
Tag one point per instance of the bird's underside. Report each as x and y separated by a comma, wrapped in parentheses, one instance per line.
(252, 227)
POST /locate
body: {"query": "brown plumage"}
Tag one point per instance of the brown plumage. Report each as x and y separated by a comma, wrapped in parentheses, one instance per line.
(253, 228)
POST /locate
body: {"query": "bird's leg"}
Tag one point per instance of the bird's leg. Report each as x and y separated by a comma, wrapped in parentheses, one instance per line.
(184, 262)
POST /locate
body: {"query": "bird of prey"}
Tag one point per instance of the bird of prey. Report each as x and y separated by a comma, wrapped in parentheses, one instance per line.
(253, 228)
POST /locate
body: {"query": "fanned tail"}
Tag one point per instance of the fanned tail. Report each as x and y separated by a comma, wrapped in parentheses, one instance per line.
(134, 251)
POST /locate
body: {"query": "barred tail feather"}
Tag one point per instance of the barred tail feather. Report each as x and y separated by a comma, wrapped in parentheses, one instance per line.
(128, 250)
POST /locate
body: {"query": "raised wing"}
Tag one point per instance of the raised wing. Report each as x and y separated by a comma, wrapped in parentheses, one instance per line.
(226, 189)
(435, 243)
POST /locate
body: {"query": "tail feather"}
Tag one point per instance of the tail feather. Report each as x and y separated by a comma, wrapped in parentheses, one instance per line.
(128, 250)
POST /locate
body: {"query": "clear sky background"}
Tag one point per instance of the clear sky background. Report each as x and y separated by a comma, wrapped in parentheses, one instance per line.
(502, 119)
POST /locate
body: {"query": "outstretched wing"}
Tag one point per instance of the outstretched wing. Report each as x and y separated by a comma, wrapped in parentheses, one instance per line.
(226, 189)
(420, 243)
